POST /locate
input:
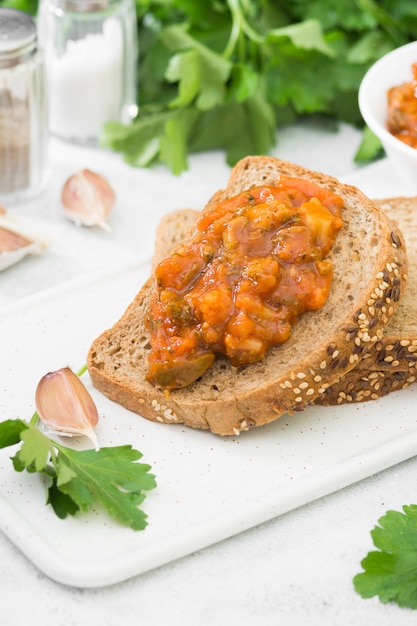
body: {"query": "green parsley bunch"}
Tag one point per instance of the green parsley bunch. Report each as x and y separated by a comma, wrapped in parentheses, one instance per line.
(224, 74)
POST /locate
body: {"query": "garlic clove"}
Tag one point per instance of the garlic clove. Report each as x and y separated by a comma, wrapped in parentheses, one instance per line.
(17, 241)
(7, 259)
(10, 241)
(64, 405)
(87, 199)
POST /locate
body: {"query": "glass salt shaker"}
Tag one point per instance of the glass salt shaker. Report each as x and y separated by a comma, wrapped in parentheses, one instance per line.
(90, 57)
(23, 115)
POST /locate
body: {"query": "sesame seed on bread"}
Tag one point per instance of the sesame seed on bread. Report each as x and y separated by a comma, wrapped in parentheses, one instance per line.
(390, 363)
(360, 385)
(397, 349)
(369, 258)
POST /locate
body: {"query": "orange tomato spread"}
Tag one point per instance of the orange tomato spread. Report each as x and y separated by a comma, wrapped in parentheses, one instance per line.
(402, 110)
(257, 262)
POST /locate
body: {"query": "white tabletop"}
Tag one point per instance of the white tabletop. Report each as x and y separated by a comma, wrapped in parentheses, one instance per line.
(296, 569)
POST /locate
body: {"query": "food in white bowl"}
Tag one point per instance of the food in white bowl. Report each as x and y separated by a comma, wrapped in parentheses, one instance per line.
(392, 70)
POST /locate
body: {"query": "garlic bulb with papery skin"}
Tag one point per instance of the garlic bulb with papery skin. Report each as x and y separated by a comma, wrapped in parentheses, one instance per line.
(87, 199)
(65, 406)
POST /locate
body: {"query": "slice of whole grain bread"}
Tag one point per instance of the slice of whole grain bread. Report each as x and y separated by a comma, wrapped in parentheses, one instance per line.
(397, 349)
(390, 364)
(369, 259)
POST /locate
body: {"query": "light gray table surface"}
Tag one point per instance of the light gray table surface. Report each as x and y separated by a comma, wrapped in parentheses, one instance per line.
(294, 570)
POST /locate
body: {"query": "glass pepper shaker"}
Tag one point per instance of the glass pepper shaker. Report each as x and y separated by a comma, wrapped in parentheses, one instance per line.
(90, 57)
(23, 115)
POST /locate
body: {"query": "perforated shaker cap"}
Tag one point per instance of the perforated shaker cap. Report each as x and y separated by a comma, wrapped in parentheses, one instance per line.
(84, 6)
(18, 37)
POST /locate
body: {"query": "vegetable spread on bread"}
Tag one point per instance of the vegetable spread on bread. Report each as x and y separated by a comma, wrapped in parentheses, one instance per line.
(257, 262)
(368, 275)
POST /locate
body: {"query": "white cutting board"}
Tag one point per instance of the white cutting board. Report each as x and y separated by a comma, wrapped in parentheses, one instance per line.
(209, 487)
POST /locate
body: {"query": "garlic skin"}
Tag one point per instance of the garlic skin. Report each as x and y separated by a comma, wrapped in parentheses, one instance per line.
(17, 241)
(87, 199)
(10, 241)
(64, 405)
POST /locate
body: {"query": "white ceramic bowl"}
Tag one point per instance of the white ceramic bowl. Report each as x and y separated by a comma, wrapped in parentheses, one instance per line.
(392, 69)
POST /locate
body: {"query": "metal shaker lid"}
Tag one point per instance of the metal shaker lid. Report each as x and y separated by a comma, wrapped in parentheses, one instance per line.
(83, 6)
(17, 36)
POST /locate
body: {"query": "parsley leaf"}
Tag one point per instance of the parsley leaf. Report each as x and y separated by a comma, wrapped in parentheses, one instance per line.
(35, 450)
(370, 147)
(110, 476)
(29, 6)
(10, 432)
(200, 72)
(61, 503)
(391, 573)
(81, 479)
(307, 35)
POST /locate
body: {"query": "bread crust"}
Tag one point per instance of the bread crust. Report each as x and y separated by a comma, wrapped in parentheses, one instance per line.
(397, 350)
(361, 385)
(391, 363)
(369, 258)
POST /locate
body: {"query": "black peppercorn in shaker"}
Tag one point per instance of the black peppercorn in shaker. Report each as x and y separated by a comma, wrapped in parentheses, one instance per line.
(23, 117)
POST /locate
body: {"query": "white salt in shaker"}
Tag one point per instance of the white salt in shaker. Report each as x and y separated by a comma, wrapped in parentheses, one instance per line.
(23, 123)
(90, 57)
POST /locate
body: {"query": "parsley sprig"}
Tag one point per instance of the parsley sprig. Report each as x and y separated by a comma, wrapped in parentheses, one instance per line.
(226, 74)
(391, 572)
(79, 479)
